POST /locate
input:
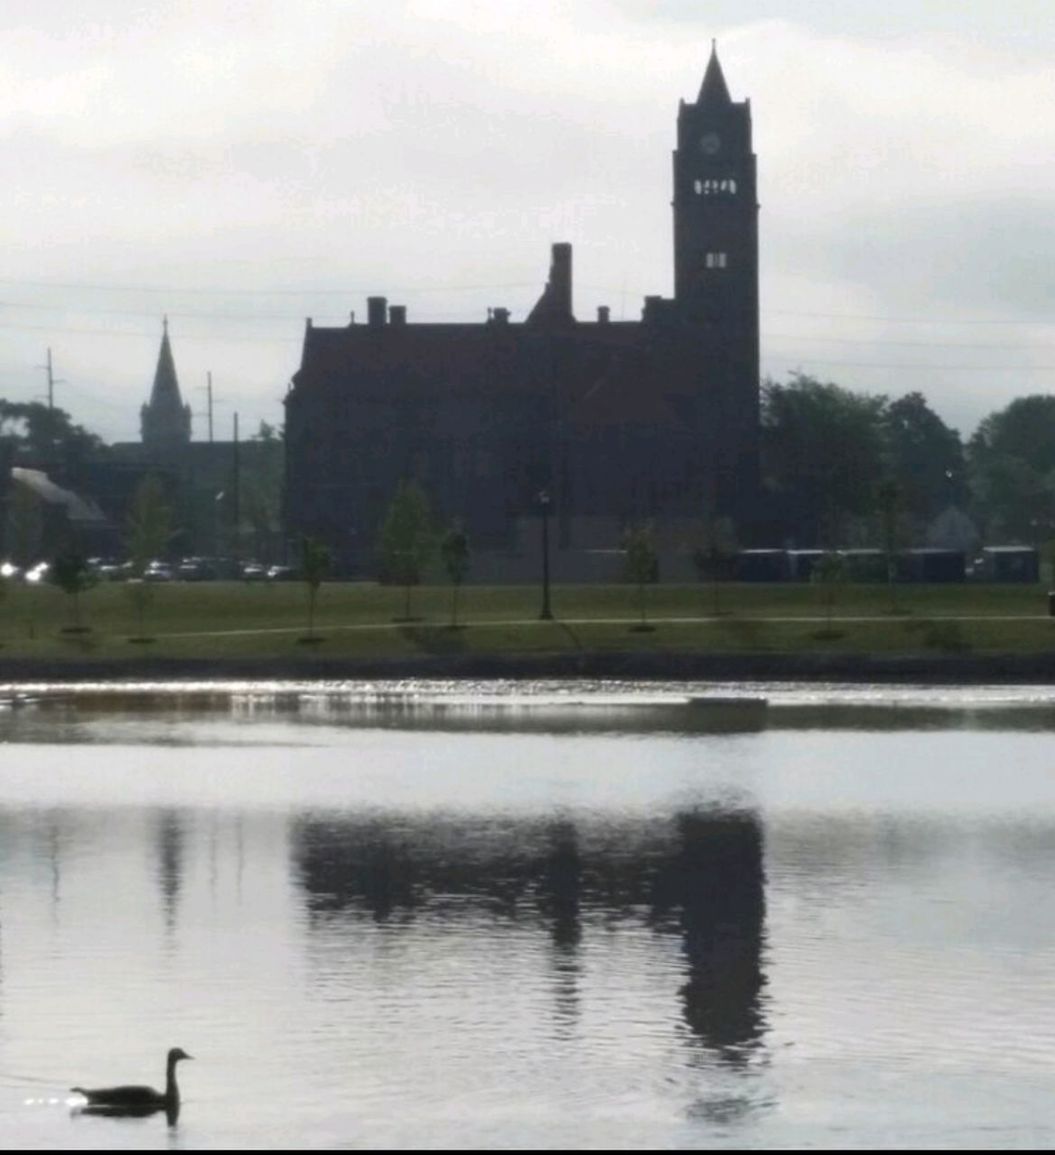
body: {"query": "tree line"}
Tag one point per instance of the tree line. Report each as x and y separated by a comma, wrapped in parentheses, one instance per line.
(834, 460)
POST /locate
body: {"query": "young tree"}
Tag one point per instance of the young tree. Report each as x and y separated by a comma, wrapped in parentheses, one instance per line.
(715, 555)
(149, 533)
(73, 575)
(262, 473)
(888, 500)
(642, 567)
(454, 552)
(407, 539)
(829, 573)
(315, 565)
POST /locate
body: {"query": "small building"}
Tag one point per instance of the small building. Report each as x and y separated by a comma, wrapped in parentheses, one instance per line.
(1010, 563)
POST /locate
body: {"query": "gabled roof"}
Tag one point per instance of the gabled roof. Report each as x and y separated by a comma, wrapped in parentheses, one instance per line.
(78, 508)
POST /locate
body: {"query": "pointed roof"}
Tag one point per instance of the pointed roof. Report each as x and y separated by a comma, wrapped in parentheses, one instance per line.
(165, 393)
(714, 89)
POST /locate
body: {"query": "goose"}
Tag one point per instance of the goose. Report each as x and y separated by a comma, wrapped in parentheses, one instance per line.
(138, 1100)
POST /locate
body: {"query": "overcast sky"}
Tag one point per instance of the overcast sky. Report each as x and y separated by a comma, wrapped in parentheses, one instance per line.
(243, 164)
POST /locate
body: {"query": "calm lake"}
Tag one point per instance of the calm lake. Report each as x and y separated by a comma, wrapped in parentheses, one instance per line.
(554, 915)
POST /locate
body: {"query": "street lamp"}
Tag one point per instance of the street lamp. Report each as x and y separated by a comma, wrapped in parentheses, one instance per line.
(544, 502)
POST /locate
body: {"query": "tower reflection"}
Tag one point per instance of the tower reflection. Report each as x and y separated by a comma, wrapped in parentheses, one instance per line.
(170, 863)
(698, 875)
(713, 885)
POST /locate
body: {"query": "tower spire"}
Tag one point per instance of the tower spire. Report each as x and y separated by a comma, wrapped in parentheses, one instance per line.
(165, 420)
(714, 89)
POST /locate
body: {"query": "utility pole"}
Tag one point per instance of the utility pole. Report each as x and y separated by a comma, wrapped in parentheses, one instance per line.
(51, 381)
(236, 493)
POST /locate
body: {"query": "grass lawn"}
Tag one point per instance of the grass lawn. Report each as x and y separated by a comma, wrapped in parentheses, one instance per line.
(353, 620)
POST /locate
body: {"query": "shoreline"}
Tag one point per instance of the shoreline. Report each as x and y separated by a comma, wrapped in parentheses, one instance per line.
(893, 669)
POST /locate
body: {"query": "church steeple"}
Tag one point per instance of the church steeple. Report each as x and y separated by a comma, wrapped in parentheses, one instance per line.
(714, 90)
(165, 420)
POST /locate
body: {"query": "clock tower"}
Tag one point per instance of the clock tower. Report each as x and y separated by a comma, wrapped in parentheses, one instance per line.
(716, 277)
(715, 202)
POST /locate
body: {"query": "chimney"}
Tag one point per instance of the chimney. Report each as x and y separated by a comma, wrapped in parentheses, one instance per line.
(500, 316)
(560, 278)
(604, 314)
(397, 314)
(375, 311)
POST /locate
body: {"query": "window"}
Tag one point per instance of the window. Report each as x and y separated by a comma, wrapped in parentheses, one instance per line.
(716, 260)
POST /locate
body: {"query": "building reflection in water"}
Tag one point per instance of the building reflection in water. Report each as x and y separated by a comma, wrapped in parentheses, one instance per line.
(170, 863)
(560, 888)
(699, 876)
(714, 887)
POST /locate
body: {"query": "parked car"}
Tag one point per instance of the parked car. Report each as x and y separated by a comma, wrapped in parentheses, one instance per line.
(158, 571)
(253, 571)
(196, 569)
(283, 573)
(108, 569)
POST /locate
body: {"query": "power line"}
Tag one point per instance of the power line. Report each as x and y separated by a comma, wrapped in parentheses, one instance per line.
(915, 365)
(419, 290)
(344, 290)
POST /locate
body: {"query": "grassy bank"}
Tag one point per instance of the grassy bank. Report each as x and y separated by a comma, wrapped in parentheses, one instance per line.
(359, 621)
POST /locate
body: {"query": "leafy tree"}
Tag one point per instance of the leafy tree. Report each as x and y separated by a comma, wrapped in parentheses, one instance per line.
(889, 496)
(262, 474)
(924, 456)
(715, 556)
(45, 434)
(148, 535)
(1025, 429)
(25, 525)
(642, 566)
(149, 524)
(407, 539)
(829, 572)
(315, 565)
(1012, 461)
(822, 454)
(73, 575)
(454, 552)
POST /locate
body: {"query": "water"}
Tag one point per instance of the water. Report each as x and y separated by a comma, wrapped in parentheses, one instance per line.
(540, 915)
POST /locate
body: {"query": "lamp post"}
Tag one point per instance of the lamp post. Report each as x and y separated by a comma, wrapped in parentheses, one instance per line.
(544, 502)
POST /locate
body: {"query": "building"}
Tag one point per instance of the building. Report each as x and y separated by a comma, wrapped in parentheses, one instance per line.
(165, 422)
(615, 421)
(214, 486)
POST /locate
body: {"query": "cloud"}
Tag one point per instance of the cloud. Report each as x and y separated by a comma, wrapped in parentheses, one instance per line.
(433, 150)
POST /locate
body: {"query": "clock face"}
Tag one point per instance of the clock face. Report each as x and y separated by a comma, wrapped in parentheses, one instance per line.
(710, 143)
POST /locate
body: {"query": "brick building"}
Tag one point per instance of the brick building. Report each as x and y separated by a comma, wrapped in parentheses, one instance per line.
(616, 421)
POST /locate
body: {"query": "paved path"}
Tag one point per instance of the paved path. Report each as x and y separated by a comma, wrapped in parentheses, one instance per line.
(817, 619)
